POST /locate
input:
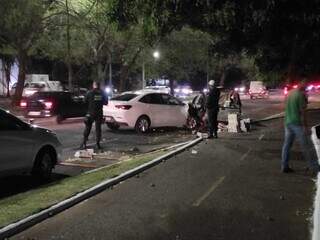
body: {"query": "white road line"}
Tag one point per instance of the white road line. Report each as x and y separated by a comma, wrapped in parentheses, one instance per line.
(207, 193)
(261, 136)
(246, 154)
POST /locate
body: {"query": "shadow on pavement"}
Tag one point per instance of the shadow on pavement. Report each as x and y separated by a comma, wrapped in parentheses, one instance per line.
(17, 184)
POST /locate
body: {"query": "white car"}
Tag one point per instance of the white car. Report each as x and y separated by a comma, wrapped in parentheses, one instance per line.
(26, 148)
(142, 111)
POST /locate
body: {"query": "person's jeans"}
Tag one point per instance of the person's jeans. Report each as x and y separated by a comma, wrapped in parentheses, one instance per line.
(293, 131)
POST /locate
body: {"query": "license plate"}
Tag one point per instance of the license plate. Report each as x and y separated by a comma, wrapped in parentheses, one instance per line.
(32, 113)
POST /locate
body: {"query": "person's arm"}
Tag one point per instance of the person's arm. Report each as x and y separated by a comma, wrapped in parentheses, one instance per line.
(303, 108)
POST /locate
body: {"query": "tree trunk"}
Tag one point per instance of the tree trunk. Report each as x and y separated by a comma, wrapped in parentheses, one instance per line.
(7, 70)
(101, 73)
(124, 72)
(70, 77)
(22, 60)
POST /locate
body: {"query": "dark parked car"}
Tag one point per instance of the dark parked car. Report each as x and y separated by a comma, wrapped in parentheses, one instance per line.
(60, 104)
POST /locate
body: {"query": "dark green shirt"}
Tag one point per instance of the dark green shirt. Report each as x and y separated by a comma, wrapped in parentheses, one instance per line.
(295, 104)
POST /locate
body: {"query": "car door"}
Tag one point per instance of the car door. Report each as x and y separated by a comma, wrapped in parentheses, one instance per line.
(78, 105)
(155, 109)
(176, 111)
(16, 143)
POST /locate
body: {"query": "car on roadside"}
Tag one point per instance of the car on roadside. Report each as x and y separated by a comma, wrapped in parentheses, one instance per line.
(257, 89)
(61, 104)
(183, 91)
(145, 110)
(158, 89)
(26, 148)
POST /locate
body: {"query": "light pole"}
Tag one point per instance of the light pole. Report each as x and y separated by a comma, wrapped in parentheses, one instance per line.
(156, 55)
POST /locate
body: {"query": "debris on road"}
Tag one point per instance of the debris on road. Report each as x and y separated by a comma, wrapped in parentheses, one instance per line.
(245, 125)
(87, 153)
(233, 123)
(194, 151)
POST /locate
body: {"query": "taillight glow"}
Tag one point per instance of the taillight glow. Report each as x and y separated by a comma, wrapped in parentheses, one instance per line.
(295, 86)
(23, 104)
(123, 107)
(48, 105)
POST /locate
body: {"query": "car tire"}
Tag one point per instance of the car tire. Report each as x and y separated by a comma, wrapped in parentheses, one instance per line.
(59, 118)
(142, 125)
(43, 166)
(113, 126)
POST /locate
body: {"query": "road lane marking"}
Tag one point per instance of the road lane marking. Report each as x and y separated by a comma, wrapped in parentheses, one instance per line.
(207, 193)
(261, 136)
(246, 154)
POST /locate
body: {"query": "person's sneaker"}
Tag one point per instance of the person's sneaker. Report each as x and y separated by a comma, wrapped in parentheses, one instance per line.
(287, 170)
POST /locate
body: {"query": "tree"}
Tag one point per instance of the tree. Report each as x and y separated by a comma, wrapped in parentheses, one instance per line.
(282, 35)
(21, 24)
(7, 63)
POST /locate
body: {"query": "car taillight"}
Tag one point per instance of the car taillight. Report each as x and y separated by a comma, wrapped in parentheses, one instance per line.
(123, 107)
(48, 105)
(295, 86)
(23, 103)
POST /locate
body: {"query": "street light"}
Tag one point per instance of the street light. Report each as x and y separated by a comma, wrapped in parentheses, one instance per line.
(156, 55)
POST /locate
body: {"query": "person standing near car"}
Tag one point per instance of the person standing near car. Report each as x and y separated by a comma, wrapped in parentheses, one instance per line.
(95, 99)
(295, 127)
(212, 107)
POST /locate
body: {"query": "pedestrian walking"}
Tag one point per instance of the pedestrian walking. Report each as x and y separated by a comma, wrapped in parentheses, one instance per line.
(95, 99)
(295, 128)
(212, 107)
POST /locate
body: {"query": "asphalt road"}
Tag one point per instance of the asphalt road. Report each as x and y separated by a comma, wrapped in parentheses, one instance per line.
(125, 141)
(232, 188)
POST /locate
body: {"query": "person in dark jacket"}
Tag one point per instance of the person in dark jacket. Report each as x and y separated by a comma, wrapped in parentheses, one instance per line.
(235, 100)
(95, 99)
(212, 106)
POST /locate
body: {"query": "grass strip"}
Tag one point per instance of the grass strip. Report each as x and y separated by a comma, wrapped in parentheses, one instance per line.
(17, 207)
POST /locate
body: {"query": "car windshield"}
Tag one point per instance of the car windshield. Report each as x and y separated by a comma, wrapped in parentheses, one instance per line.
(125, 97)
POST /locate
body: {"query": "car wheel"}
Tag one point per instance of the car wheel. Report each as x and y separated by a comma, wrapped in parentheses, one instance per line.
(59, 118)
(113, 126)
(142, 124)
(43, 166)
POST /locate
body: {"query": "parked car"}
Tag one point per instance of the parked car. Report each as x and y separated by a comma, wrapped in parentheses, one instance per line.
(158, 89)
(26, 148)
(142, 111)
(183, 91)
(60, 104)
(258, 90)
(242, 90)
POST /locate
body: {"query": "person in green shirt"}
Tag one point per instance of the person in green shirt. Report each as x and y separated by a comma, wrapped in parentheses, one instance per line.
(295, 127)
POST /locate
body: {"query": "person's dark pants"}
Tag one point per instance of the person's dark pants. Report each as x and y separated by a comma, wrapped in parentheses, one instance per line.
(88, 125)
(212, 122)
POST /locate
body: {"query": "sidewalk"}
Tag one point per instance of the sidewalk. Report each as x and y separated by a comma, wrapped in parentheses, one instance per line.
(226, 188)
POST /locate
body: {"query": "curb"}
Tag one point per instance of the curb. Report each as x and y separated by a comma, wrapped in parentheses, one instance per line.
(280, 115)
(27, 222)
